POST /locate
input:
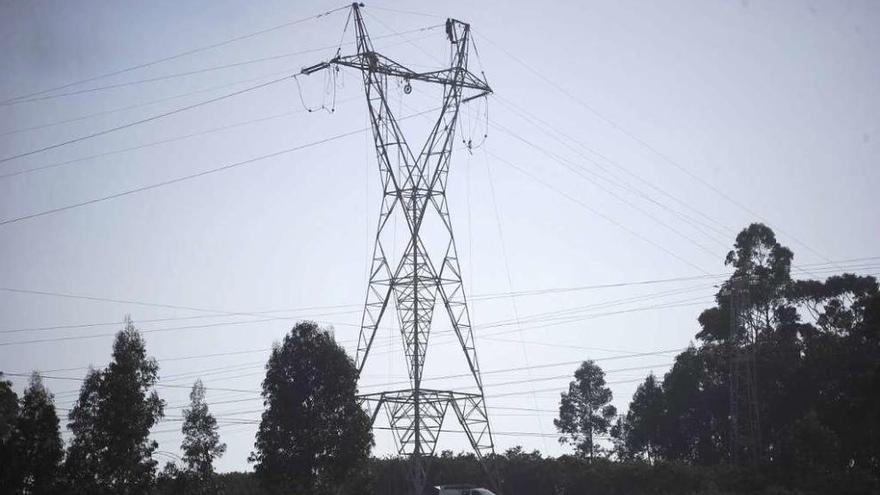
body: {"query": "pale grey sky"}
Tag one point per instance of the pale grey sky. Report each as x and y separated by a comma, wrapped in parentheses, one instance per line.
(773, 103)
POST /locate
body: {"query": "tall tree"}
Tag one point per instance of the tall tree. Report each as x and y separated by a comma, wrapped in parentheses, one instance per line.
(10, 474)
(764, 265)
(41, 449)
(111, 451)
(695, 397)
(584, 411)
(644, 419)
(313, 434)
(201, 442)
(816, 353)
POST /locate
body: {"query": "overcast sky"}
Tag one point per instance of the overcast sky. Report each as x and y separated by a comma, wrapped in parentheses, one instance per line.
(627, 141)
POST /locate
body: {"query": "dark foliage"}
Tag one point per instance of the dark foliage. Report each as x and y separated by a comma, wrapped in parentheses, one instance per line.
(40, 448)
(201, 446)
(313, 435)
(817, 352)
(111, 451)
(30, 441)
(10, 476)
(584, 412)
(525, 473)
(201, 442)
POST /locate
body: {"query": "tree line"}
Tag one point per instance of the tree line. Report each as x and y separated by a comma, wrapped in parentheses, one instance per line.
(313, 434)
(815, 349)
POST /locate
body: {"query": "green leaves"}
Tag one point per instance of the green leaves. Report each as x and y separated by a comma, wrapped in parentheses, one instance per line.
(41, 450)
(111, 451)
(201, 442)
(313, 434)
(584, 412)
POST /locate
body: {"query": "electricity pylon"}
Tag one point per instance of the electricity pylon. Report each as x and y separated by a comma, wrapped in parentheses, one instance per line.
(414, 186)
(745, 425)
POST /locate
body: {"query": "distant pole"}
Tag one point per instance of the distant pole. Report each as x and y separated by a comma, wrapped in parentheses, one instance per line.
(414, 187)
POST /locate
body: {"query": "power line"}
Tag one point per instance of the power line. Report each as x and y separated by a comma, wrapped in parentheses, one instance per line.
(142, 121)
(145, 103)
(665, 158)
(594, 211)
(143, 303)
(153, 330)
(504, 256)
(554, 133)
(262, 317)
(160, 385)
(186, 177)
(554, 389)
(160, 142)
(194, 374)
(157, 320)
(174, 56)
(550, 365)
(599, 213)
(178, 179)
(649, 282)
(180, 358)
(406, 12)
(196, 71)
(578, 170)
(478, 297)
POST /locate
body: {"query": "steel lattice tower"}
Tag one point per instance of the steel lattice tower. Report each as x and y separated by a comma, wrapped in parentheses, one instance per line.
(414, 187)
(745, 426)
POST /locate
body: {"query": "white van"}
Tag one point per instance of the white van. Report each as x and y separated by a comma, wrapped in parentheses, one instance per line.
(461, 490)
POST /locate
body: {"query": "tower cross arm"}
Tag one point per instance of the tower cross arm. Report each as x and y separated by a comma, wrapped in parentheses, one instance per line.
(378, 63)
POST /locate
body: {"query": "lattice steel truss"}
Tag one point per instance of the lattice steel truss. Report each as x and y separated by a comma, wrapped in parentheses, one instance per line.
(745, 424)
(414, 186)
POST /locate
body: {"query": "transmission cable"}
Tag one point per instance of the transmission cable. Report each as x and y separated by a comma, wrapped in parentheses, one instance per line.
(144, 120)
(177, 55)
(576, 169)
(191, 176)
(197, 71)
(159, 142)
(665, 158)
(593, 211)
(554, 133)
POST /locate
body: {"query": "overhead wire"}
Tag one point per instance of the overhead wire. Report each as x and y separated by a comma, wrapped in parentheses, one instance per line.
(163, 383)
(185, 177)
(539, 418)
(142, 104)
(172, 139)
(566, 316)
(600, 214)
(665, 158)
(213, 313)
(594, 211)
(142, 121)
(578, 171)
(203, 70)
(159, 100)
(176, 55)
(710, 231)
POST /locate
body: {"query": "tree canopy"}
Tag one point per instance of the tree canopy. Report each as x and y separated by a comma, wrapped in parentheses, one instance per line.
(584, 410)
(817, 361)
(10, 475)
(313, 434)
(111, 451)
(201, 442)
(40, 449)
